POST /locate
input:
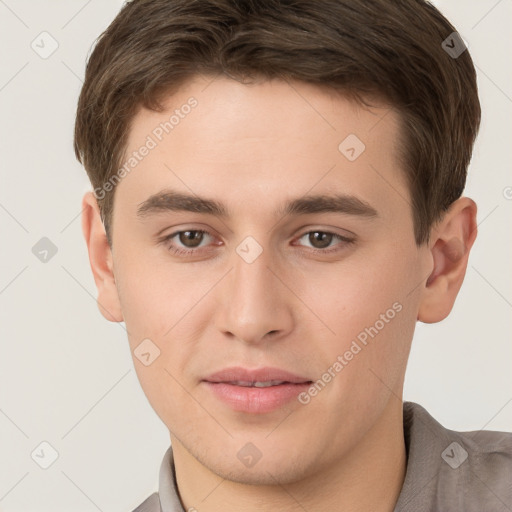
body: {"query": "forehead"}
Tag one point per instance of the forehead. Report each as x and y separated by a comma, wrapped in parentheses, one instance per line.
(270, 108)
(250, 144)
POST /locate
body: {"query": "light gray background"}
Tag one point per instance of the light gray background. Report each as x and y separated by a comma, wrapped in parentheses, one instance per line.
(66, 375)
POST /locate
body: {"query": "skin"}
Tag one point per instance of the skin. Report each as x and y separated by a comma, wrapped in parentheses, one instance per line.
(252, 147)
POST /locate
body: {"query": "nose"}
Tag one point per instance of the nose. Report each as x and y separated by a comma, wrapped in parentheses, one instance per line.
(255, 306)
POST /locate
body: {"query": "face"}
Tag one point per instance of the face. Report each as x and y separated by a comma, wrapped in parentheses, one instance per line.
(324, 290)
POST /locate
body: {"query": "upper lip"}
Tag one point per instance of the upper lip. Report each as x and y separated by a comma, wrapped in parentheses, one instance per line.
(238, 373)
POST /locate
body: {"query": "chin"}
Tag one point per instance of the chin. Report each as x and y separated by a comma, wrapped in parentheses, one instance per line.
(270, 474)
(276, 469)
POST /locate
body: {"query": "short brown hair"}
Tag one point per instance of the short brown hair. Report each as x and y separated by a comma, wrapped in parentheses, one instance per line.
(391, 49)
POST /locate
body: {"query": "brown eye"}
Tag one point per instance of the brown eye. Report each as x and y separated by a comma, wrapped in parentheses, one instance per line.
(190, 239)
(322, 241)
(185, 242)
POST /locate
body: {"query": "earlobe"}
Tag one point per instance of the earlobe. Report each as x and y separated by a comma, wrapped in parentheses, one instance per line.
(100, 259)
(450, 245)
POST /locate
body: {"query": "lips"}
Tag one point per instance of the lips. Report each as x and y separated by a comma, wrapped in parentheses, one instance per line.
(246, 377)
(256, 391)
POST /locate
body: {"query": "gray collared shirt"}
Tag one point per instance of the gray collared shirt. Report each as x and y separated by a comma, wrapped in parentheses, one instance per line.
(447, 471)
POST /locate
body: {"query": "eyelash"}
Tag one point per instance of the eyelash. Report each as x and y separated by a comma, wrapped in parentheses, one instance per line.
(187, 252)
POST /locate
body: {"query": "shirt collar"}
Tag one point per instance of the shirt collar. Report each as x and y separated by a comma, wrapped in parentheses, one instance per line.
(168, 488)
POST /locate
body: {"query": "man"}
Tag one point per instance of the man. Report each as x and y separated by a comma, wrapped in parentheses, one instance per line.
(277, 201)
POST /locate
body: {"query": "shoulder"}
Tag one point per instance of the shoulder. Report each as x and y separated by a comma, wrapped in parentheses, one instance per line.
(486, 463)
(150, 504)
(451, 470)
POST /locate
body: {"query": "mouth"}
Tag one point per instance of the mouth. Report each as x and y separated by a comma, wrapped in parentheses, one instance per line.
(255, 391)
(259, 377)
(262, 384)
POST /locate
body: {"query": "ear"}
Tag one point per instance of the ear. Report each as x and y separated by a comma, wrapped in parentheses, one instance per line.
(449, 246)
(100, 258)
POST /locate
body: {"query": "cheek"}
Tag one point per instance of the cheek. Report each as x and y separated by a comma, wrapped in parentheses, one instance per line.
(160, 303)
(154, 295)
(351, 295)
(368, 309)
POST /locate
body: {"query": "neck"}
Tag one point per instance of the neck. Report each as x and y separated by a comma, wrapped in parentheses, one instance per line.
(368, 477)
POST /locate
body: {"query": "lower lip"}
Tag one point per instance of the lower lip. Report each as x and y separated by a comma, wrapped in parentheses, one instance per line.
(256, 400)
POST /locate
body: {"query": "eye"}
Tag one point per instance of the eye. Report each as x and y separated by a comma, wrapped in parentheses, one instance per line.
(189, 240)
(322, 239)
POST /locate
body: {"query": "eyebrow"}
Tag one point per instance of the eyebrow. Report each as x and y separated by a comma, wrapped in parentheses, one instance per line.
(169, 200)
